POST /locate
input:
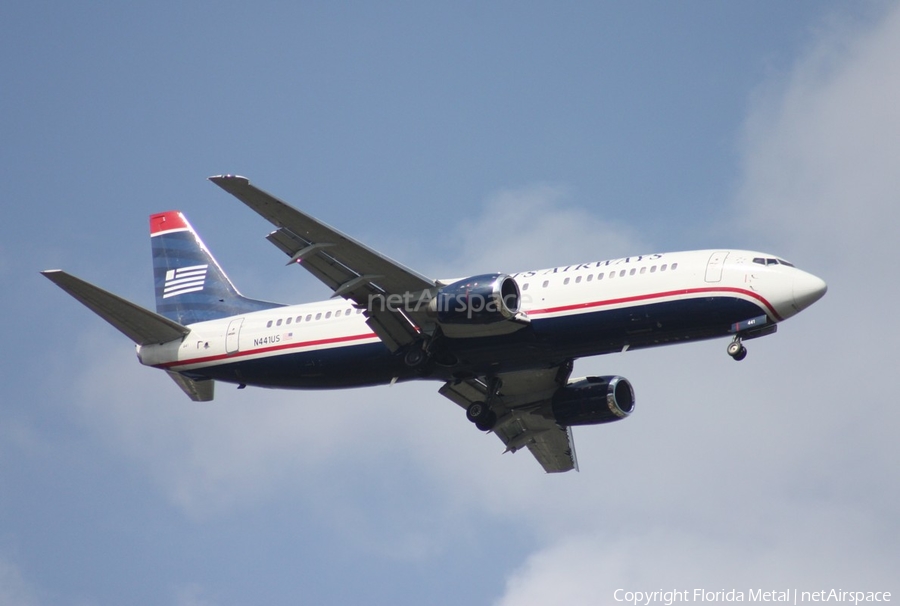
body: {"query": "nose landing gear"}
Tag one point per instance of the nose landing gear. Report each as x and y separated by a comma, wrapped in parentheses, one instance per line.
(737, 350)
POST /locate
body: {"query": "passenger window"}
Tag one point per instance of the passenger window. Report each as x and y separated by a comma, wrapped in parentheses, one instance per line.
(525, 287)
(546, 283)
(566, 281)
(590, 277)
(337, 314)
(653, 269)
(328, 316)
(663, 268)
(318, 316)
(600, 276)
(578, 280)
(359, 311)
(278, 323)
(289, 320)
(633, 271)
(299, 318)
(308, 317)
(622, 274)
(612, 275)
(674, 266)
(269, 324)
(643, 270)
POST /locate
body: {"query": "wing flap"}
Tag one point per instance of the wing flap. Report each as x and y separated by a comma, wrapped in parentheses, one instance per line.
(555, 450)
(549, 443)
(138, 324)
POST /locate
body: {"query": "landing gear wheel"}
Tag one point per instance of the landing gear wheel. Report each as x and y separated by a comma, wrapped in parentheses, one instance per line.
(482, 415)
(737, 350)
(477, 411)
(414, 357)
(488, 423)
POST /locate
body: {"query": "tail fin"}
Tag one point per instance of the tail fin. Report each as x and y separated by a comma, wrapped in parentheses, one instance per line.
(190, 285)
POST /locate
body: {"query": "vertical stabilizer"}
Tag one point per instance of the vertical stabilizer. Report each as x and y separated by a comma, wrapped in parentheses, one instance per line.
(190, 285)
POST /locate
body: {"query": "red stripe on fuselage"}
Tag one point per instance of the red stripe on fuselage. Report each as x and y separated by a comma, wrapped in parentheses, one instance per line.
(263, 350)
(659, 295)
(534, 312)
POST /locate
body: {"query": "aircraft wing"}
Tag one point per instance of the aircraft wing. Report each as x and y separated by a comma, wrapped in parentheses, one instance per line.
(524, 416)
(349, 268)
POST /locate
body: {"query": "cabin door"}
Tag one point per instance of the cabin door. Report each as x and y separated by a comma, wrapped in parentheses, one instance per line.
(715, 265)
(232, 335)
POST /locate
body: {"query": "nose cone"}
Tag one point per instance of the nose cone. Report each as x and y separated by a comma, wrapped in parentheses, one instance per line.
(807, 290)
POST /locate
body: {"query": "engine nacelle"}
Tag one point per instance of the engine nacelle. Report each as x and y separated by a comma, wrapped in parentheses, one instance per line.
(593, 400)
(484, 299)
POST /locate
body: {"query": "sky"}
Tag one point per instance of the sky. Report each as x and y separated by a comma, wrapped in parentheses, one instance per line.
(457, 138)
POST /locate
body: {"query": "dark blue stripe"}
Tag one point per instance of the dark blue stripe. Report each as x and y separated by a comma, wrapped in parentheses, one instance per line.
(545, 342)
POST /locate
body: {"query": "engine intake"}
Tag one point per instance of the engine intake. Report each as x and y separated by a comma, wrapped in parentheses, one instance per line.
(481, 299)
(593, 400)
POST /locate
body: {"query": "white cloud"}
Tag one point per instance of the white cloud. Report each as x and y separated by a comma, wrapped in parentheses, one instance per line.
(212, 457)
(534, 227)
(192, 595)
(588, 568)
(14, 589)
(821, 147)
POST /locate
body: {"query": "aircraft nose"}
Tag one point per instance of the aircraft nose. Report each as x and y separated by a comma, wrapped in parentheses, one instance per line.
(807, 290)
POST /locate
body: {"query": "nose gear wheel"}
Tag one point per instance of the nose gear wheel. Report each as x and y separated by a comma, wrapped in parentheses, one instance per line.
(737, 350)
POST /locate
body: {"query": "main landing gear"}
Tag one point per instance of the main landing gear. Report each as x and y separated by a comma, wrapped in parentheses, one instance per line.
(482, 415)
(737, 350)
(415, 357)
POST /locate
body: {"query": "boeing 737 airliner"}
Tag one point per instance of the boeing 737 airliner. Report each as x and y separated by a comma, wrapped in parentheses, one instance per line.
(503, 345)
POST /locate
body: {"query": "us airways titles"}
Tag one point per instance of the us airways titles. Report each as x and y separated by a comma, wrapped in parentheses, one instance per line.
(593, 265)
(418, 301)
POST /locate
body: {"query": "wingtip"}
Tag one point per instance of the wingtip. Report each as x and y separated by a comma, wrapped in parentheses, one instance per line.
(57, 276)
(222, 180)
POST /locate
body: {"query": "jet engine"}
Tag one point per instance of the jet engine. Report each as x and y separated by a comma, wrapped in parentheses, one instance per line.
(593, 400)
(484, 299)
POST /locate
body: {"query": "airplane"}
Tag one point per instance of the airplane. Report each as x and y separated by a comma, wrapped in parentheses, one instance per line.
(503, 345)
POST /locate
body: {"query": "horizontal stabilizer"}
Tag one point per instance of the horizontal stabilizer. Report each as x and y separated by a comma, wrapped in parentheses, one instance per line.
(138, 324)
(201, 390)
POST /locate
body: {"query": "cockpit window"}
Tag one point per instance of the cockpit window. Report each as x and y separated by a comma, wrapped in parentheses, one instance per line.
(771, 261)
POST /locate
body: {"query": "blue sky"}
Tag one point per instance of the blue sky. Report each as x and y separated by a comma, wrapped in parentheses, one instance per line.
(455, 137)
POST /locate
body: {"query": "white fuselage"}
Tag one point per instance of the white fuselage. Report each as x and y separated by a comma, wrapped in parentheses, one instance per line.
(768, 287)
